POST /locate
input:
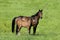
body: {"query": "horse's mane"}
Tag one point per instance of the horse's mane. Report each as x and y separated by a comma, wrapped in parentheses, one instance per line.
(35, 14)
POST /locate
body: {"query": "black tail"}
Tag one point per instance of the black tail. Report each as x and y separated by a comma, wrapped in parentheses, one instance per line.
(13, 24)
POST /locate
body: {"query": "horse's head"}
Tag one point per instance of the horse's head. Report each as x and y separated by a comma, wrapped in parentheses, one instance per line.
(40, 13)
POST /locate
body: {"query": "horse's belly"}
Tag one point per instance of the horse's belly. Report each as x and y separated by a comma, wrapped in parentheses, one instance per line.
(25, 24)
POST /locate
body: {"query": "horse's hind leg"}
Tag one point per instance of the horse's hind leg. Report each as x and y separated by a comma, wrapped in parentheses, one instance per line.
(17, 29)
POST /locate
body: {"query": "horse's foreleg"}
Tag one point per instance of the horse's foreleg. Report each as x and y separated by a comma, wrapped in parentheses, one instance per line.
(29, 29)
(34, 30)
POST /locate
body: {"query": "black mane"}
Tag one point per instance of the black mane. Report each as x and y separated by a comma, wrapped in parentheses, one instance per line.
(35, 14)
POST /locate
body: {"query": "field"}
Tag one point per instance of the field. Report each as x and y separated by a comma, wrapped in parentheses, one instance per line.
(48, 28)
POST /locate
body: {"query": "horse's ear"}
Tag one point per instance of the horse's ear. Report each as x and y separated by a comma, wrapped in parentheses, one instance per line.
(41, 10)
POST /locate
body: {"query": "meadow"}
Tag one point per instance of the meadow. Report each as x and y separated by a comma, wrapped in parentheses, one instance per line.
(48, 27)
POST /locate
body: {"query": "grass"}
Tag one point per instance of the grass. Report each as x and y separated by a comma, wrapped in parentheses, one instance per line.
(48, 28)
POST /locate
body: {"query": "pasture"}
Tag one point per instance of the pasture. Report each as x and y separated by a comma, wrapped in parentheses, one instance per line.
(48, 27)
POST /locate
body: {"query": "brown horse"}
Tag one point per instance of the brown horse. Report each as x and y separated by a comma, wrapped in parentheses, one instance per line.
(28, 22)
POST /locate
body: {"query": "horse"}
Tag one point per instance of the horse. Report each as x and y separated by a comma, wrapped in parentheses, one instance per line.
(27, 22)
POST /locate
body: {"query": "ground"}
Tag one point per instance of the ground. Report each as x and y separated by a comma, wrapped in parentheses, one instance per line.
(48, 28)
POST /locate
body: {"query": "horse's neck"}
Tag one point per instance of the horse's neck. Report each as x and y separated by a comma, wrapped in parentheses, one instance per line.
(36, 17)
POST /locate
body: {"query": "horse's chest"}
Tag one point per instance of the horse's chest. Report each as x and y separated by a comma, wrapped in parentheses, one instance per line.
(34, 21)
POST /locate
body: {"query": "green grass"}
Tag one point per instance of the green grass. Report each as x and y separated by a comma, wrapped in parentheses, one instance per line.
(48, 28)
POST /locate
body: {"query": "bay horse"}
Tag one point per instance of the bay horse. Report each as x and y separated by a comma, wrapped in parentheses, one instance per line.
(27, 22)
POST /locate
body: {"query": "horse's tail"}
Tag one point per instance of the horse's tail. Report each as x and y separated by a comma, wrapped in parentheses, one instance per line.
(13, 24)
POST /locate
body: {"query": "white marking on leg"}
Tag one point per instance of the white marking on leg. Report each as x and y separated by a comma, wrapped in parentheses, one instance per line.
(18, 34)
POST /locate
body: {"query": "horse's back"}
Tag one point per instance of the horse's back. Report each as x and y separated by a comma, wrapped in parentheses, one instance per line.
(23, 21)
